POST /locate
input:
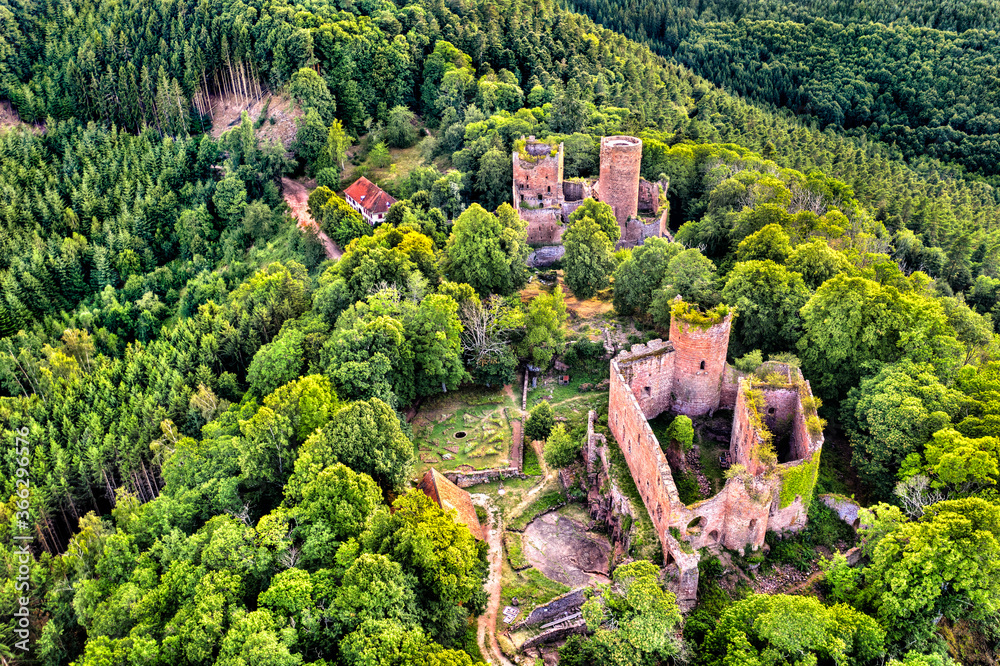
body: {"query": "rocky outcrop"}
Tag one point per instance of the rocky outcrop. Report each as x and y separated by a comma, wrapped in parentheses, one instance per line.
(560, 607)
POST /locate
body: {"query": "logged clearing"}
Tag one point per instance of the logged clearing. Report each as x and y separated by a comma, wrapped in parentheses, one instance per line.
(9, 118)
(273, 116)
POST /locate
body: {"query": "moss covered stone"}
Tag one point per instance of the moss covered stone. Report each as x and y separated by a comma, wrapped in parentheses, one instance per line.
(799, 480)
(692, 316)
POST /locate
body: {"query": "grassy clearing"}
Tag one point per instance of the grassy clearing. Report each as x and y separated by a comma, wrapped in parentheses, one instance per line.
(576, 511)
(515, 551)
(483, 415)
(588, 309)
(546, 501)
(514, 490)
(403, 161)
(532, 467)
(530, 587)
(558, 395)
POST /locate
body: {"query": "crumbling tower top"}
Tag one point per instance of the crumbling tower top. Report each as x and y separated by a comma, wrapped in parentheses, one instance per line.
(700, 341)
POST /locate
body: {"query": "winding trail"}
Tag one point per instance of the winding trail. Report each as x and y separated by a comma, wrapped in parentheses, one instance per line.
(486, 633)
(297, 197)
(488, 620)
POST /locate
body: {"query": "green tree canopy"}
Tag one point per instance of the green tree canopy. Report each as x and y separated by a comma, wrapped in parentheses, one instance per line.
(544, 320)
(589, 259)
(309, 88)
(488, 251)
(601, 213)
(852, 326)
(561, 450)
(642, 271)
(540, 421)
(768, 298)
(946, 563)
(364, 435)
(791, 629)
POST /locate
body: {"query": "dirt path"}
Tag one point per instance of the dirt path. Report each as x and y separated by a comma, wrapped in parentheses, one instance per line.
(547, 476)
(297, 197)
(486, 633)
(494, 529)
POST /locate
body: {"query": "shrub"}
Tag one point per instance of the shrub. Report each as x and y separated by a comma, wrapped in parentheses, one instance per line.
(561, 450)
(540, 421)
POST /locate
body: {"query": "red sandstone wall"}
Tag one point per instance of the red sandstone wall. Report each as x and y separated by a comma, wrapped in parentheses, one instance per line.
(544, 225)
(543, 177)
(649, 371)
(730, 383)
(744, 437)
(649, 197)
(748, 506)
(698, 390)
(646, 461)
(573, 190)
(779, 415)
(621, 157)
(733, 518)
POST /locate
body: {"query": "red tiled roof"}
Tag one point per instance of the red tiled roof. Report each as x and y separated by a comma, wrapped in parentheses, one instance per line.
(369, 196)
(449, 496)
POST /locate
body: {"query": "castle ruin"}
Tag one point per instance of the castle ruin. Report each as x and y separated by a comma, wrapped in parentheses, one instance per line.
(774, 446)
(545, 200)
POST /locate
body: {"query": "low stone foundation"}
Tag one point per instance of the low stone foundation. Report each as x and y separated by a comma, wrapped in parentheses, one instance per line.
(466, 479)
(556, 634)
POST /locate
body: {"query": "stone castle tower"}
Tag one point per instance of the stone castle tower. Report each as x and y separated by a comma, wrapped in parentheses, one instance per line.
(538, 175)
(699, 364)
(621, 157)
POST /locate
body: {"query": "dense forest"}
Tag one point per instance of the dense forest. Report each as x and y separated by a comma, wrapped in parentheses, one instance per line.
(920, 77)
(220, 453)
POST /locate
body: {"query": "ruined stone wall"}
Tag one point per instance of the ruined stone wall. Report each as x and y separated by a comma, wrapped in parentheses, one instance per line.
(645, 459)
(735, 518)
(650, 379)
(568, 208)
(779, 415)
(649, 197)
(699, 365)
(621, 157)
(605, 500)
(466, 479)
(544, 225)
(649, 371)
(636, 231)
(745, 438)
(575, 190)
(730, 384)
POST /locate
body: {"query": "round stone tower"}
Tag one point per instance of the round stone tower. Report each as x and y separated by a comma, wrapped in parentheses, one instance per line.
(700, 342)
(621, 157)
